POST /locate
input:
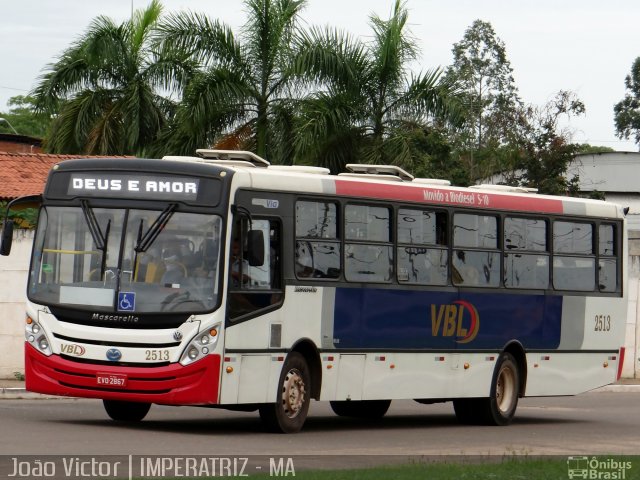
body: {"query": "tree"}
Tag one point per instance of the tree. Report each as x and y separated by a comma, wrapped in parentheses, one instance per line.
(586, 148)
(366, 101)
(626, 112)
(24, 118)
(546, 149)
(104, 89)
(432, 151)
(242, 92)
(481, 66)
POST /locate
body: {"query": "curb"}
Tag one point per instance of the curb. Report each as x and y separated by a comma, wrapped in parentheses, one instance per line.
(633, 388)
(11, 393)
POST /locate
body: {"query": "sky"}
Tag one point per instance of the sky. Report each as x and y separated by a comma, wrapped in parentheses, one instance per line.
(584, 46)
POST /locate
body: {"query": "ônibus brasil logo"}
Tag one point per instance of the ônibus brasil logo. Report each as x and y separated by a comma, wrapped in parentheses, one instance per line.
(459, 319)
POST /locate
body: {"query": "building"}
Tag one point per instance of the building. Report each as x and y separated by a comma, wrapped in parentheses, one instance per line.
(614, 174)
(26, 173)
(11, 143)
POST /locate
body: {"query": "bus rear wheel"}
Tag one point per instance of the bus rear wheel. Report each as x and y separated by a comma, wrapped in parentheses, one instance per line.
(501, 405)
(361, 408)
(289, 412)
(122, 411)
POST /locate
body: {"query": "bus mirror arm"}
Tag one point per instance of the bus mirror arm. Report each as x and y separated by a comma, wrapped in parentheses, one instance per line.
(7, 237)
(237, 210)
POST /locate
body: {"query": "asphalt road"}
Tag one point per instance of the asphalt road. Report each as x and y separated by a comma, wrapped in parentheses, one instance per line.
(593, 423)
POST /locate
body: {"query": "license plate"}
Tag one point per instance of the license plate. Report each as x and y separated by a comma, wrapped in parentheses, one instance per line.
(111, 380)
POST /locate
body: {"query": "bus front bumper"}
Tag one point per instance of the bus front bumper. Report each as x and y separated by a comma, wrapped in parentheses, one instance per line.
(174, 384)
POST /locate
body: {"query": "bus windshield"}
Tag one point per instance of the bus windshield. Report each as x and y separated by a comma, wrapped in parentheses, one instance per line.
(126, 260)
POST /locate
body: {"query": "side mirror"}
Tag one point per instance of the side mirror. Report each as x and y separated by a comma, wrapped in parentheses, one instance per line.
(7, 238)
(255, 248)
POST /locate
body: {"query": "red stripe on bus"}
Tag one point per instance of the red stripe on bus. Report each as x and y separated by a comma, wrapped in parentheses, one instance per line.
(466, 198)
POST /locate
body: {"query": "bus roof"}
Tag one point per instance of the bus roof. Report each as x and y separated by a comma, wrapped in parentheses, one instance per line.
(376, 182)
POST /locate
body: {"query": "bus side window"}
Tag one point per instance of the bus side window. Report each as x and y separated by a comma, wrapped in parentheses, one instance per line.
(263, 269)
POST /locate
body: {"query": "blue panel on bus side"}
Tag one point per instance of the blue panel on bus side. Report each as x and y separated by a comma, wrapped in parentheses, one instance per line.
(411, 319)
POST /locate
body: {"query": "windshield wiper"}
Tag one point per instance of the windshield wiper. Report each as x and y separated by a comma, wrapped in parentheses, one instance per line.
(146, 240)
(94, 228)
(99, 239)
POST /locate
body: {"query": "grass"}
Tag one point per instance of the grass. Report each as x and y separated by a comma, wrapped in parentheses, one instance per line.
(501, 469)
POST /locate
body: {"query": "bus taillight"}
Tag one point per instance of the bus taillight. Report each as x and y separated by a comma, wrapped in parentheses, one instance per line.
(620, 363)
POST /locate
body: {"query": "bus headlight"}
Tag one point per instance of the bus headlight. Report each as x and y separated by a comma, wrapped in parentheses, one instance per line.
(201, 345)
(35, 336)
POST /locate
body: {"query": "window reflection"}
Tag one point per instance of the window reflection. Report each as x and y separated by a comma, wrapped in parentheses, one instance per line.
(475, 231)
(318, 248)
(573, 237)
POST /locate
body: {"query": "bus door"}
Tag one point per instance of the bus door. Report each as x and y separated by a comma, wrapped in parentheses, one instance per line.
(255, 266)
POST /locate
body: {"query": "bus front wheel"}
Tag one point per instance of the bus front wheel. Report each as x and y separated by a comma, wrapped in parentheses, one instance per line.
(289, 412)
(126, 411)
(500, 407)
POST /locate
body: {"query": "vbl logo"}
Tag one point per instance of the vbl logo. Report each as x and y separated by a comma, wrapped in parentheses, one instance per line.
(72, 349)
(450, 320)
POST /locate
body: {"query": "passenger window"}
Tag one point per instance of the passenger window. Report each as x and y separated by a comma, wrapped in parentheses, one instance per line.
(421, 236)
(369, 254)
(607, 263)
(523, 269)
(318, 249)
(525, 234)
(573, 237)
(367, 223)
(575, 269)
(477, 264)
(475, 231)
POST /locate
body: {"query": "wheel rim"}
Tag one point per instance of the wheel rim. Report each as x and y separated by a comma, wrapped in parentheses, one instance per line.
(505, 389)
(293, 393)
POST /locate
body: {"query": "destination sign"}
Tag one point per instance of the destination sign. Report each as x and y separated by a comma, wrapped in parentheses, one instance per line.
(151, 187)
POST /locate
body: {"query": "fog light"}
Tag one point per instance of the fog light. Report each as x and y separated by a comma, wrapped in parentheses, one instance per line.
(205, 350)
(31, 338)
(43, 344)
(193, 353)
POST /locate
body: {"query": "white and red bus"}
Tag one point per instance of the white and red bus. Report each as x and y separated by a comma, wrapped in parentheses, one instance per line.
(224, 281)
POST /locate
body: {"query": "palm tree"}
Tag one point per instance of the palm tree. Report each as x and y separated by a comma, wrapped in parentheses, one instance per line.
(244, 88)
(104, 90)
(368, 104)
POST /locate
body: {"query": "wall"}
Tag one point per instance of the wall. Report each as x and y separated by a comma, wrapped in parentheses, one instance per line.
(630, 369)
(25, 145)
(13, 278)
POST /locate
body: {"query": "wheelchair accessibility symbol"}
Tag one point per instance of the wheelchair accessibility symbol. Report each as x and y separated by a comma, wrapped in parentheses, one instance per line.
(126, 301)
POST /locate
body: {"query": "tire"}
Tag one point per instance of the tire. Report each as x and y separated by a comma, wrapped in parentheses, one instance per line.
(361, 409)
(289, 412)
(467, 410)
(121, 411)
(501, 405)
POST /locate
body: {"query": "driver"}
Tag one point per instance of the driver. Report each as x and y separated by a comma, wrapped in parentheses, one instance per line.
(239, 266)
(174, 268)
